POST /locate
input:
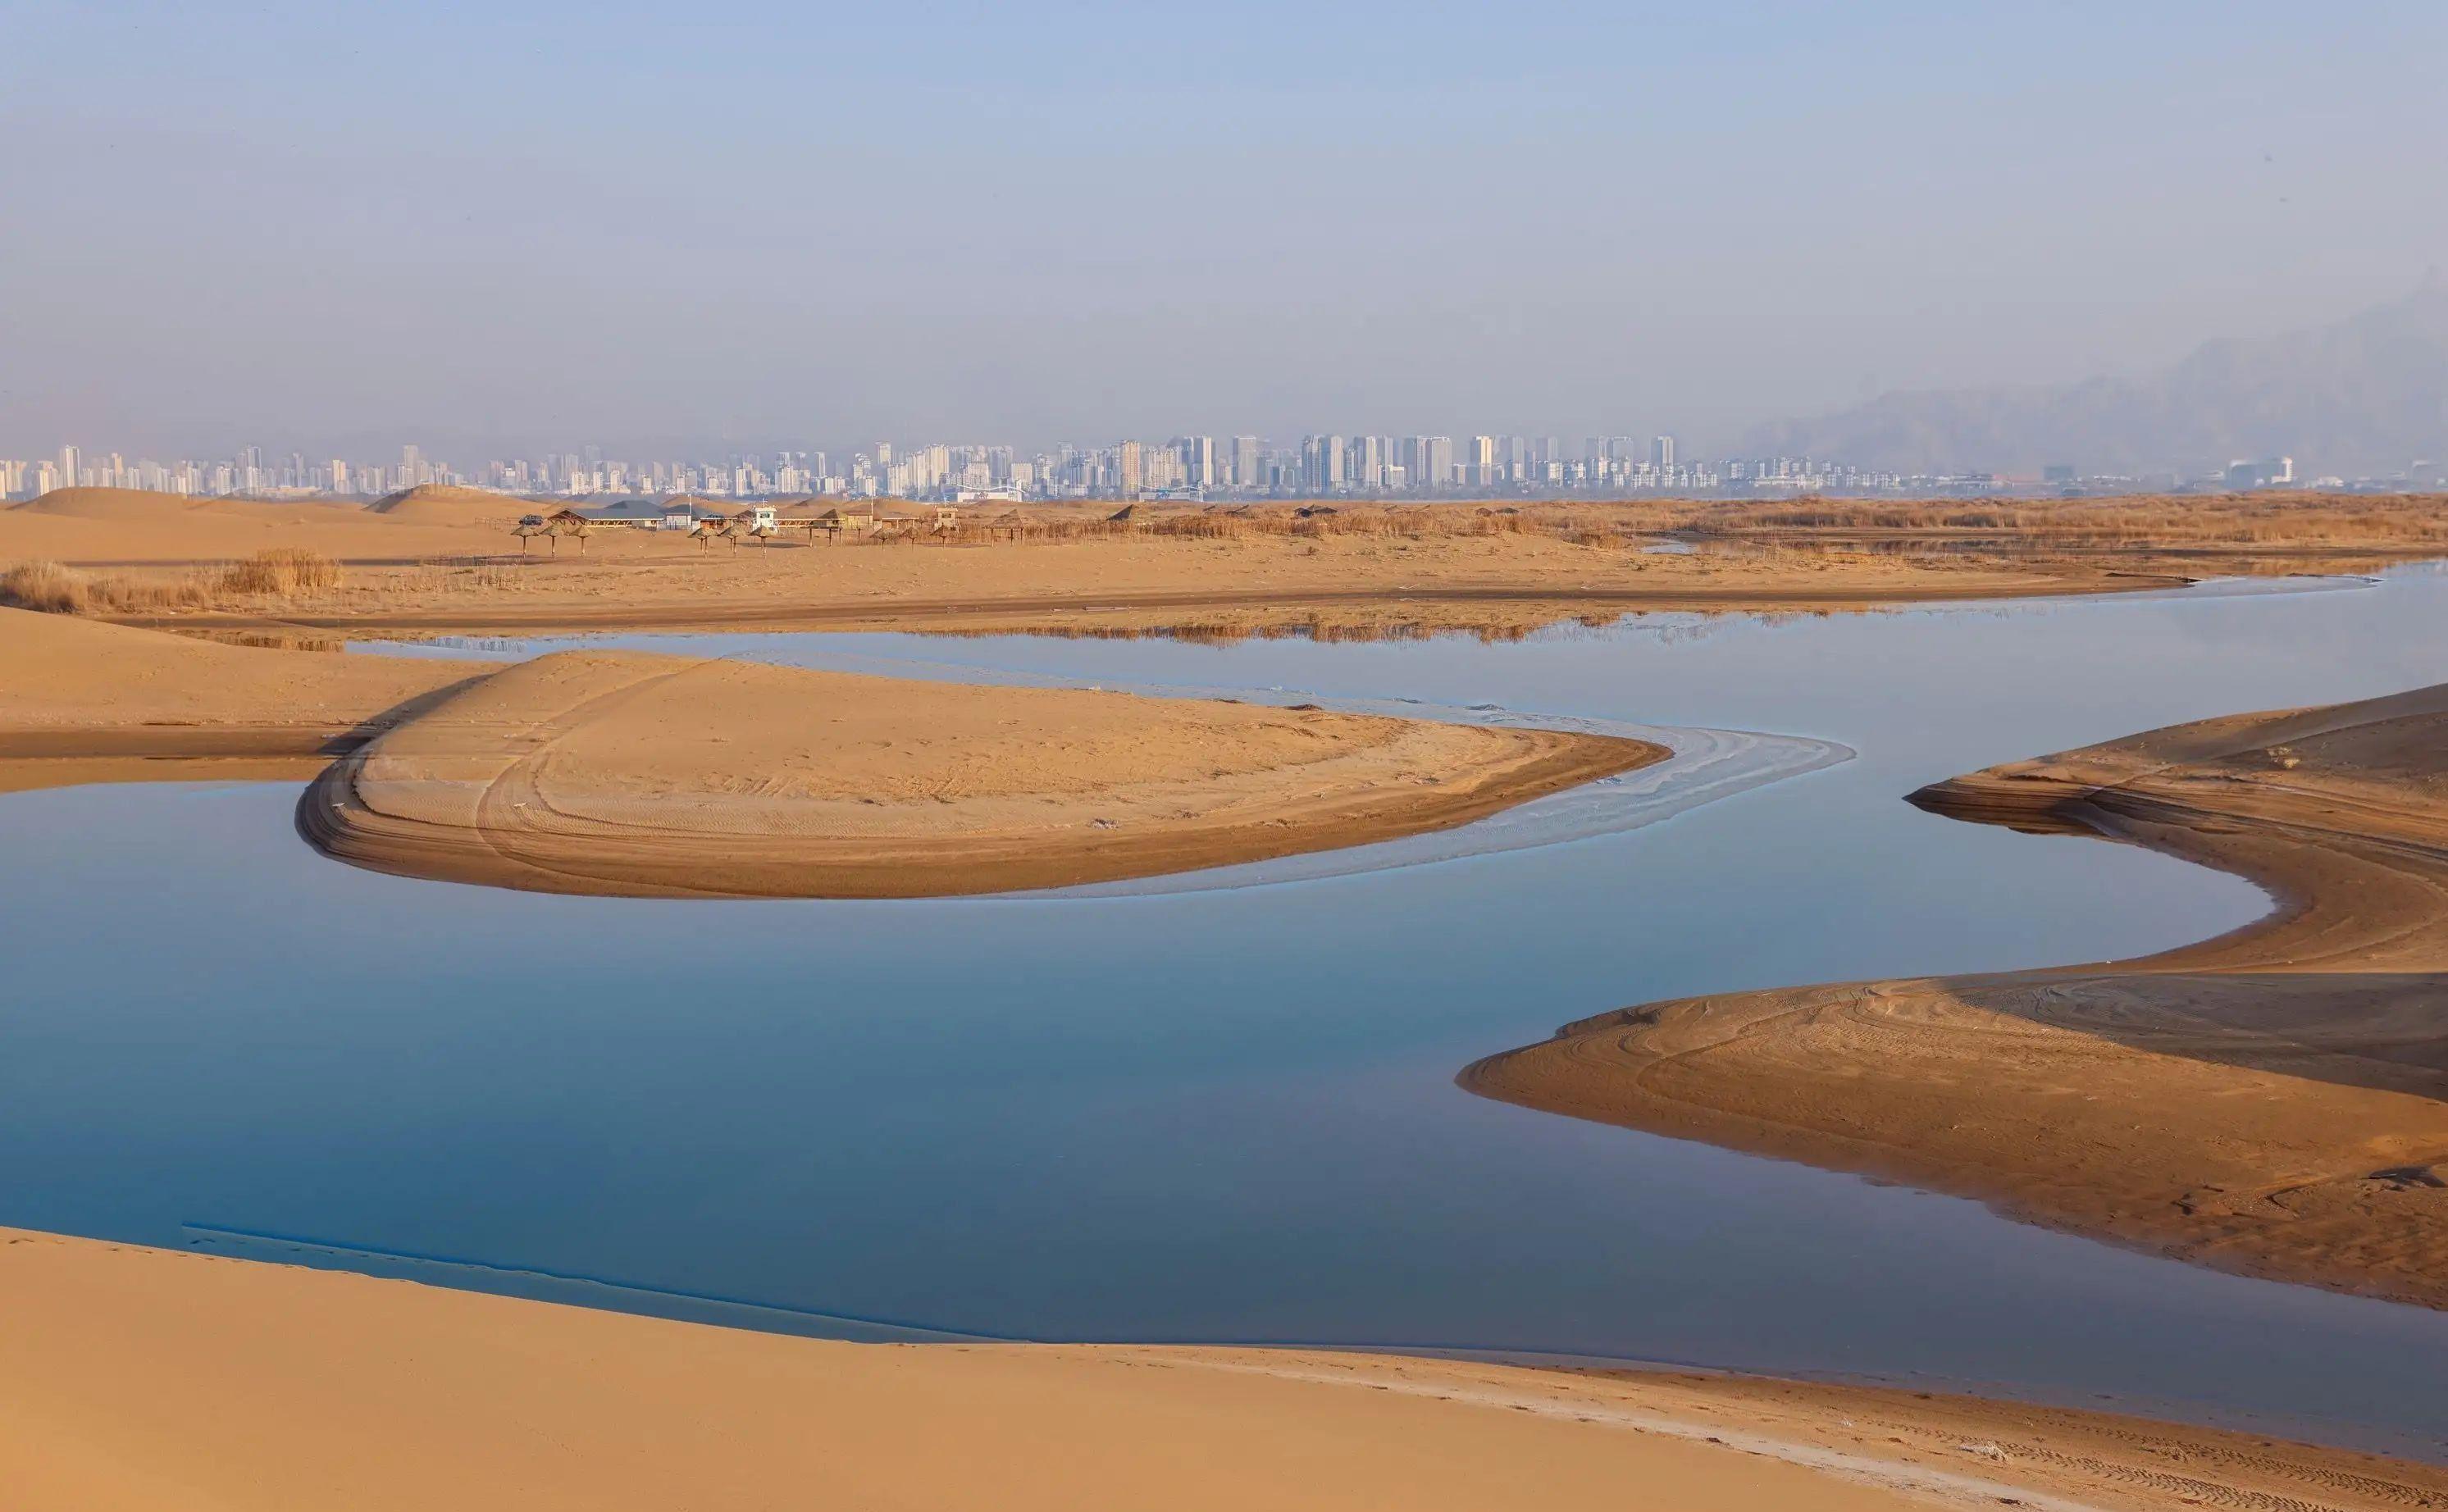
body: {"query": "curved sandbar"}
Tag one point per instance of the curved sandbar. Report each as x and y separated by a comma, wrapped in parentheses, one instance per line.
(655, 775)
(2273, 1102)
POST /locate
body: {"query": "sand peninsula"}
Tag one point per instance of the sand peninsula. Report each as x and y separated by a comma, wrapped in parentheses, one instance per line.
(442, 560)
(137, 1378)
(637, 774)
(2273, 1102)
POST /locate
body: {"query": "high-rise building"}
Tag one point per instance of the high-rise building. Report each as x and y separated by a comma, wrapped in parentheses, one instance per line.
(1198, 454)
(1483, 461)
(1661, 452)
(1245, 462)
(1367, 469)
(1129, 473)
(69, 467)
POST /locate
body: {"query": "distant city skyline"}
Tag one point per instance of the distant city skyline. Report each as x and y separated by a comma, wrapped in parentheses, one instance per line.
(1185, 468)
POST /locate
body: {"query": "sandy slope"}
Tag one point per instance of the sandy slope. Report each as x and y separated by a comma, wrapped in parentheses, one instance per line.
(442, 504)
(2274, 1102)
(88, 702)
(601, 772)
(134, 1378)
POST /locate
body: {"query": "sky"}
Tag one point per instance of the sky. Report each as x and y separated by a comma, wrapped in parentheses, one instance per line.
(669, 230)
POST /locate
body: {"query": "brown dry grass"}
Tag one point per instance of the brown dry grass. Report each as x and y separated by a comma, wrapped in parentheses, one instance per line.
(2134, 521)
(2288, 519)
(45, 586)
(283, 572)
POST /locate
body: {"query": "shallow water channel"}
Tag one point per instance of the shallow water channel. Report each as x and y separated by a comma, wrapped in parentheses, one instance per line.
(1218, 1114)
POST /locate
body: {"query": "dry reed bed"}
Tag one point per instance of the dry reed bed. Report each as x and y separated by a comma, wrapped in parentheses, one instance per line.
(283, 572)
(2389, 521)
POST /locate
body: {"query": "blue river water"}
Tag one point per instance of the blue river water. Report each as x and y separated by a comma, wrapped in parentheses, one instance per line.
(1223, 1115)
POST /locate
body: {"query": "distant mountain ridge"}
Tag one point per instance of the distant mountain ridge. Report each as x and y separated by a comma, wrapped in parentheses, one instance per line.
(2365, 395)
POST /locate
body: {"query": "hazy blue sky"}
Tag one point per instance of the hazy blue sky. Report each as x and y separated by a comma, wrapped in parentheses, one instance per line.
(322, 225)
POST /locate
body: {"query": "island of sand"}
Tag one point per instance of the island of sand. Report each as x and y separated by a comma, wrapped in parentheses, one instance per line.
(685, 776)
(628, 773)
(2273, 1102)
(133, 1378)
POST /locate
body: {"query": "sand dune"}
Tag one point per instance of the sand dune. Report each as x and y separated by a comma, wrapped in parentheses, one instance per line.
(439, 504)
(163, 531)
(616, 772)
(2273, 1102)
(132, 506)
(134, 1378)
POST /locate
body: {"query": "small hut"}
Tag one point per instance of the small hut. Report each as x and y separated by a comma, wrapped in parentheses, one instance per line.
(845, 519)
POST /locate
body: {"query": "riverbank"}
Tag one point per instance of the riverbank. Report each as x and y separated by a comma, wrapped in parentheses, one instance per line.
(82, 701)
(138, 1378)
(2273, 1102)
(444, 562)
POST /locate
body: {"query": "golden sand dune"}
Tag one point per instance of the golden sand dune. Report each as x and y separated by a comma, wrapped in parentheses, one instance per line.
(137, 507)
(88, 702)
(599, 772)
(2273, 1102)
(162, 532)
(441, 504)
(143, 1379)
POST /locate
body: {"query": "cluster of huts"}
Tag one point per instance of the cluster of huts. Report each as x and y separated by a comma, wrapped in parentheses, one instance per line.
(842, 522)
(855, 521)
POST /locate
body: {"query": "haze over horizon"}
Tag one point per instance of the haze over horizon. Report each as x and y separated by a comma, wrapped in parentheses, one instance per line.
(540, 226)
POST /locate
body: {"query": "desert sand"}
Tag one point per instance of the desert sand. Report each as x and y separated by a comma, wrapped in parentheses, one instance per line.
(137, 1378)
(2273, 1102)
(627, 774)
(88, 702)
(437, 561)
(441, 562)
(612, 773)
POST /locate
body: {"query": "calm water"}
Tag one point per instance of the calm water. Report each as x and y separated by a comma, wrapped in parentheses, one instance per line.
(1211, 1116)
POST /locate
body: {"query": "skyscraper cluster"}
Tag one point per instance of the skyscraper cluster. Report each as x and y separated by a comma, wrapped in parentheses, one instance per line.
(1187, 467)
